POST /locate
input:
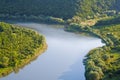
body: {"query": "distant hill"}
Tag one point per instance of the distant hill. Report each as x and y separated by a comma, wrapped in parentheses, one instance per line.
(59, 8)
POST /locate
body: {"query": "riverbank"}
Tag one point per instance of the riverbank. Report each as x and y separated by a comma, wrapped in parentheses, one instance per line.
(17, 57)
(6, 71)
(69, 47)
(102, 63)
(32, 18)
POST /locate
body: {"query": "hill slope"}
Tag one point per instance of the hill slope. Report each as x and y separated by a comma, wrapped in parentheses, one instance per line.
(59, 8)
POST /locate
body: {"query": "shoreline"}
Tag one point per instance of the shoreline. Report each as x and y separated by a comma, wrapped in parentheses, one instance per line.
(25, 62)
(91, 32)
(29, 58)
(101, 62)
(37, 19)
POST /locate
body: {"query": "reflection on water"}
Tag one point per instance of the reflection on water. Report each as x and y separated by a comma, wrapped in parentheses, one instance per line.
(64, 58)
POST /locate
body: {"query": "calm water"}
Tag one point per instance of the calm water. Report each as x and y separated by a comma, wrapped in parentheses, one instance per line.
(63, 59)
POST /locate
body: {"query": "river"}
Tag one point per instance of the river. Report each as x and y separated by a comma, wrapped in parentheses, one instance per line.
(63, 60)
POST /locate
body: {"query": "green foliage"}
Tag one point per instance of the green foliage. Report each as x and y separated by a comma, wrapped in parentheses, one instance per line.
(93, 75)
(34, 18)
(55, 8)
(103, 63)
(109, 55)
(17, 46)
(64, 9)
(74, 27)
(109, 21)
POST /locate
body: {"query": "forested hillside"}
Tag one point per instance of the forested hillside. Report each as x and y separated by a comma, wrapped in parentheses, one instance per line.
(59, 8)
(56, 8)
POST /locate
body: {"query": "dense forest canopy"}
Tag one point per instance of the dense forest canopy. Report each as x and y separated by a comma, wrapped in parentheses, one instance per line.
(59, 8)
(17, 46)
(56, 8)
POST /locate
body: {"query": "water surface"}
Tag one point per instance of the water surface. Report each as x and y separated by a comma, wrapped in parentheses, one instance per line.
(63, 59)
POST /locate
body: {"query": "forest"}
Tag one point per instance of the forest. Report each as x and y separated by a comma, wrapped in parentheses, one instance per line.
(18, 46)
(64, 9)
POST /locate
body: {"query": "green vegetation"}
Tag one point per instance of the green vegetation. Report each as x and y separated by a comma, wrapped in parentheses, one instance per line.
(40, 18)
(18, 46)
(109, 21)
(55, 8)
(97, 17)
(102, 63)
(64, 9)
